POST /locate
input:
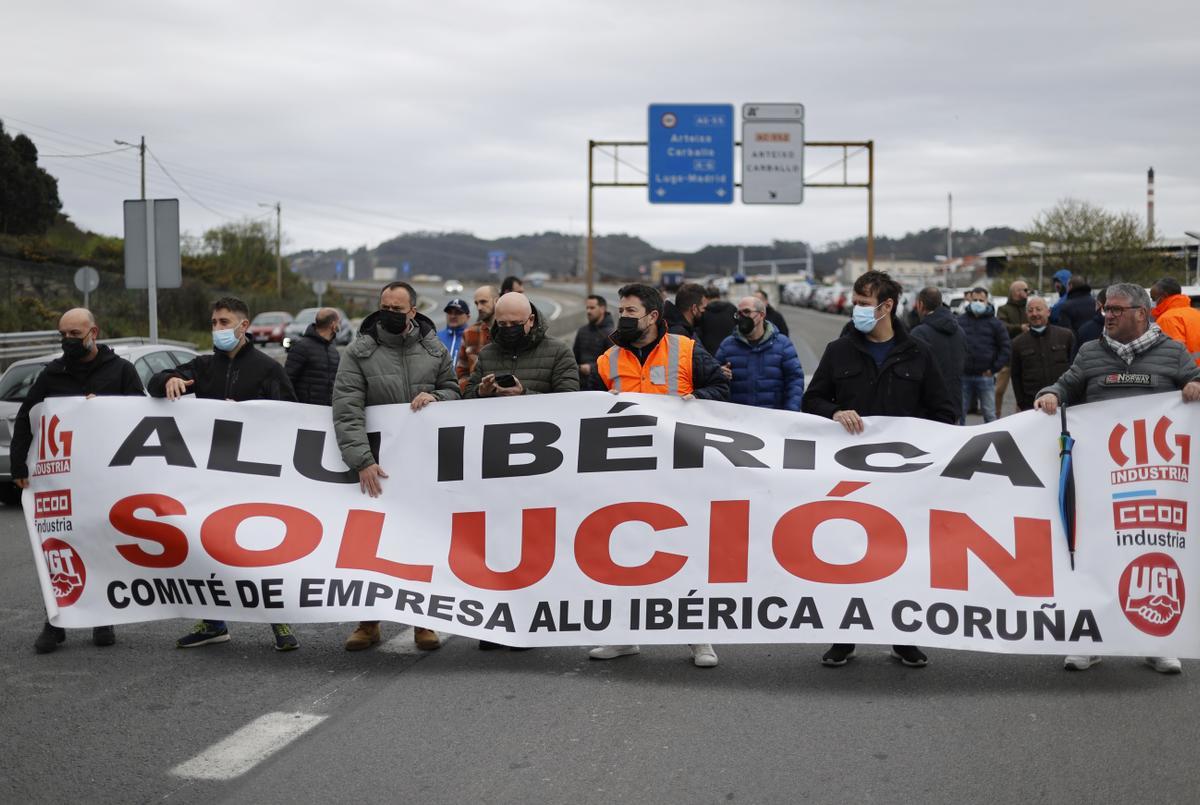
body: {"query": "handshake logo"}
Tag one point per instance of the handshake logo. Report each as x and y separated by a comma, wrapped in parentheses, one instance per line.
(1152, 594)
(67, 573)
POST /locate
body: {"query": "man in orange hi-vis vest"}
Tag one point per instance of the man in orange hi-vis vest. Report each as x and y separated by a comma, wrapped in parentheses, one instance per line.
(645, 358)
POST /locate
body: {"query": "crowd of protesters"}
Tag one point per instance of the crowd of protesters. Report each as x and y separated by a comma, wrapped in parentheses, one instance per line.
(696, 346)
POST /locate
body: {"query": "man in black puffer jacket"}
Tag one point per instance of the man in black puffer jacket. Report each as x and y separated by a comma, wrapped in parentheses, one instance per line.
(988, 351)
(235, 371)
(312, 362)
(86, 369)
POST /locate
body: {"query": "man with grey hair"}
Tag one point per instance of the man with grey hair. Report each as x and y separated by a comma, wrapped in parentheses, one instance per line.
(1132, 357)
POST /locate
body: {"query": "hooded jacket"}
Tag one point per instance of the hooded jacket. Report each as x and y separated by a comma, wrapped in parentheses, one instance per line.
(716, 324)
(592, 339)
(543, 365)
(988, 345)
(940, 331)
(1075, 309)
(248, 375)
(1176, 317)
(1098, 373)
(766, 374)
(381, 368)
(908, 383)
(106, 375)
(311, 365)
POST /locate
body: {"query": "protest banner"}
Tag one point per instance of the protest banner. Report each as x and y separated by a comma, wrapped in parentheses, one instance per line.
(587, 518)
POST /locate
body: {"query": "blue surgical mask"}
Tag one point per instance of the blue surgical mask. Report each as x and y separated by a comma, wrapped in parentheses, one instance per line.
(224, 340)
(864, 318)
(978, 308)
(1041, 329)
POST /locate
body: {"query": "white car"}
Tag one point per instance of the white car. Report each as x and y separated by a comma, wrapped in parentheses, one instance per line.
(148, 359)
(453, 286)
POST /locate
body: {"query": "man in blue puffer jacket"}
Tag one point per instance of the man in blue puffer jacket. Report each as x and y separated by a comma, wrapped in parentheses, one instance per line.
(761, 362)
(988, 351)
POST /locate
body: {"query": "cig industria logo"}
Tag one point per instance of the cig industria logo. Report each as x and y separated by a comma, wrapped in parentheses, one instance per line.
(1130, 449)
(54, 448)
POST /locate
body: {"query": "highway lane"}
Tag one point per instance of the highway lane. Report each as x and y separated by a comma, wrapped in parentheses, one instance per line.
(769, 725)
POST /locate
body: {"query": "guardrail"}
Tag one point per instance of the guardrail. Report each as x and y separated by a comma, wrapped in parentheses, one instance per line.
(15, 346)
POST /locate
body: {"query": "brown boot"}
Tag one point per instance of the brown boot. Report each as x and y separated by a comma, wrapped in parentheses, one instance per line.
(364, 636)
(426, 639)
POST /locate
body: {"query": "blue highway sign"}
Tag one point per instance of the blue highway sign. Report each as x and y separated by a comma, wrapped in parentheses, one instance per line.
(691, 153)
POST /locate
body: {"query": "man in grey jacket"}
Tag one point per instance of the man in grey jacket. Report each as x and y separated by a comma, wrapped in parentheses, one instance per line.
(1132, 357)
(397, 358)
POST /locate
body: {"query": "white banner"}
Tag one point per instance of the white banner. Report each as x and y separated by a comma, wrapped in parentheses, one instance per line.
(587, 518)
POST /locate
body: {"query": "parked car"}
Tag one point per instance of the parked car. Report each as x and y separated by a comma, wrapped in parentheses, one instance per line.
(16, 381)
(298, 325)
(268, 327)
(453, 287)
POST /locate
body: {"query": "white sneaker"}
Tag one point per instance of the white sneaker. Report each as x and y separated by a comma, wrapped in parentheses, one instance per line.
(612, 652)
(1080, 662)
(703, 655)
(1165, 665)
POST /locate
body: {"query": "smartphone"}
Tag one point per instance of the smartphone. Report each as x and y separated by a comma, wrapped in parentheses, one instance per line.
(506, 381)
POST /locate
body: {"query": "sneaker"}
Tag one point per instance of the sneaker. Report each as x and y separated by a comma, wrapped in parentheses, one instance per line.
(1165, 665)
(426, 639)
(612, 652)
(1080, 662)
(104, 636)
(365, 635)
(202, 634)
(838, 655)
(49, 639)
(703, 655)
(284, 639)
(911, 656)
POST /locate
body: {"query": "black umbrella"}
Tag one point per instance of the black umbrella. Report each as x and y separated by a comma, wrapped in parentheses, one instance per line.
(1066, 484)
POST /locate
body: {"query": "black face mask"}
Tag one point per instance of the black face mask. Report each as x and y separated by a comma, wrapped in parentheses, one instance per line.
(395, 323)
(627, 331)
(745, 325)
(509, 336)
(74, 349)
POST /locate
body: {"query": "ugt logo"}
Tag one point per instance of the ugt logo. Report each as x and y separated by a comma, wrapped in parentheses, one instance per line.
(1174, 454)
(54, 448)
(67, 573)
(1151, 594)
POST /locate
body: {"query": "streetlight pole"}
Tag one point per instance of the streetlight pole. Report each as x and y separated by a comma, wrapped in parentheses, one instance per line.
(1041, 250)
(1196, 237)
(278, 207)
(142, 154)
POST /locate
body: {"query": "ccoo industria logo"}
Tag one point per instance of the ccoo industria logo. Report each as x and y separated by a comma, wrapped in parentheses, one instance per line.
(67, 573)
(52, 512)
(54, 448)
(1130, 448)
(1151, 594)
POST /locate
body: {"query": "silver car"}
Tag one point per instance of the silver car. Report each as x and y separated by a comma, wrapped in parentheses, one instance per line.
(148, 359)
(298, 325)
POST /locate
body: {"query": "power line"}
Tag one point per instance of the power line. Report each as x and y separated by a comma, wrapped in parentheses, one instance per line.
(183, 189)
(79, 156)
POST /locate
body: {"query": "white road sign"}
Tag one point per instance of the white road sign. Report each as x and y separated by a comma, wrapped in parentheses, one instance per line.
(773, 161)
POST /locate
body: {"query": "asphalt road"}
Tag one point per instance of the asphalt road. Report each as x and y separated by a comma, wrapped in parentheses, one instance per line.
(144, 722)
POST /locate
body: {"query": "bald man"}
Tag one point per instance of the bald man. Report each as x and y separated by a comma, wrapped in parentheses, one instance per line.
(477, 335)
(521, 359)
(312, 360)
(87, 368)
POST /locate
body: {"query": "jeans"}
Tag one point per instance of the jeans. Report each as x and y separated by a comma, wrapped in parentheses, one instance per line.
(983, 388)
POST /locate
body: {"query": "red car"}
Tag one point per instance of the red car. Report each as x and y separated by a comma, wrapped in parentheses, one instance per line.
(268, 327)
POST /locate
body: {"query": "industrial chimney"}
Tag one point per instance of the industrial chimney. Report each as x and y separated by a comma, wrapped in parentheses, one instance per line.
(1150, 204)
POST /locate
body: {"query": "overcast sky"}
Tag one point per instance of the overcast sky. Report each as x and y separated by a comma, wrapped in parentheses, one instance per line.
(367, 119)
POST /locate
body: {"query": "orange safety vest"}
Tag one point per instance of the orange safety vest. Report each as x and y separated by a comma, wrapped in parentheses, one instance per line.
(1177, 318)
(667, 370)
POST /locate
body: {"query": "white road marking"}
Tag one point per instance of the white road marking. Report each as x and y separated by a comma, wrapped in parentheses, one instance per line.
(238, 753)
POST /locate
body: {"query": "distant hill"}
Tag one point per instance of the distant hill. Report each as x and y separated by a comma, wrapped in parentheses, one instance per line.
(464, 256)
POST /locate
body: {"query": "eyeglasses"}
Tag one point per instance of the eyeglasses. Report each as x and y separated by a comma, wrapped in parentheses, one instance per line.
(747, 313)
(1116, 310)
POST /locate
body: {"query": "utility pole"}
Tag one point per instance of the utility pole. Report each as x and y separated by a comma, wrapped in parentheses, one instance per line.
(142, 155)
(949, 226)
(278, 207)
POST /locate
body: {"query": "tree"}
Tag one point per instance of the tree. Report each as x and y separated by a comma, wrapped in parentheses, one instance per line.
(29, 200)
(1105, 247)
(238, 257)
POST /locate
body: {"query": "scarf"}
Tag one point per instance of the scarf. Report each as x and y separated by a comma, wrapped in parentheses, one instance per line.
(1127, 352)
